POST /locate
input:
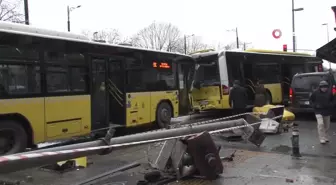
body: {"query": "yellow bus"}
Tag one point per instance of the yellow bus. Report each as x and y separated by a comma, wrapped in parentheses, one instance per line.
(216, 72)
(57, 85)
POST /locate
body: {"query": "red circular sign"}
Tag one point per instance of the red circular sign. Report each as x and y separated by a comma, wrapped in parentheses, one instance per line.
(276, 33)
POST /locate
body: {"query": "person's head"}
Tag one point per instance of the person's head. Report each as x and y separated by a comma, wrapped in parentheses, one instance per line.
(236, 83)
(324, 86)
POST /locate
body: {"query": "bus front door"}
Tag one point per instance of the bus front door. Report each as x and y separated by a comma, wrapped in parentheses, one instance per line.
(99, 97)
(184, 101)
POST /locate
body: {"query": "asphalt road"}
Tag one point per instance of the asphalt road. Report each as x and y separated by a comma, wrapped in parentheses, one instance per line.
(281, 143)
(271, 163)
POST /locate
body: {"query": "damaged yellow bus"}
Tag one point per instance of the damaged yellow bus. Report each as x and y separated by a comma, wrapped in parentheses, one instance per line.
(216, 72)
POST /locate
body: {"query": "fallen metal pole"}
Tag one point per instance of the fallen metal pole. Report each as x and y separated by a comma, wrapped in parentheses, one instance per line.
(149, 135)
(27, 160)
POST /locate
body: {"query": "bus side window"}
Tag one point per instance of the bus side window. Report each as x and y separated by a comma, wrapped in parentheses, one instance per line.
(66, 68)
(269, 73)
(20, 78)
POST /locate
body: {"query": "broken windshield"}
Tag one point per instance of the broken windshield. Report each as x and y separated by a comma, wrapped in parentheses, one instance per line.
(207, 75)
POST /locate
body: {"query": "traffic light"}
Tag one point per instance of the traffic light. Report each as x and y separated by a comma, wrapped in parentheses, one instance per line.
(284, 47)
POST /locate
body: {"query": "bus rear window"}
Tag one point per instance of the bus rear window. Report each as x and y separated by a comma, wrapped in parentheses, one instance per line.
(308, 83)
(207, 75)
(314, 67)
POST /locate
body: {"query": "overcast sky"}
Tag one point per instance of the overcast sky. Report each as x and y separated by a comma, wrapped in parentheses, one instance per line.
(255, 19)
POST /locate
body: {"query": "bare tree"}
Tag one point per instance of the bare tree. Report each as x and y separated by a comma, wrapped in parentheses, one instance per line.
(230, 46)
(9, 11)
(193, 44)
(196, 44)
(111, 36)
(158, 36)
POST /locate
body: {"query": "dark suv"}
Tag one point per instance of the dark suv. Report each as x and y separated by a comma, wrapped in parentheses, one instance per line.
(302, 87)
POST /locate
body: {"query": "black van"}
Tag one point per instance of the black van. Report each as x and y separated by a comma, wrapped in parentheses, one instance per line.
(302, 87)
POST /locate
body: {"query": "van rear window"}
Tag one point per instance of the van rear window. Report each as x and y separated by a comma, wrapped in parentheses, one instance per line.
(308, 83)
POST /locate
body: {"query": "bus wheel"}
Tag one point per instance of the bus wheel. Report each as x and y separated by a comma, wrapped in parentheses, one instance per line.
(13, 138)
(268, 98)
(164, 115)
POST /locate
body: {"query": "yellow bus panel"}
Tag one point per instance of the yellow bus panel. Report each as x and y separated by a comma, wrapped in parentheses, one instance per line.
(141, 106)
(207, 98)
(30, 108)
(138, 109)
(69, 115)
(66, 127)
(276, 92)
(225, 102)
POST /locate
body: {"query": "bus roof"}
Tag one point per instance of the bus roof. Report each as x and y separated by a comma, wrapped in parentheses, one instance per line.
(264, 52)
(277, 52)
(23, 29)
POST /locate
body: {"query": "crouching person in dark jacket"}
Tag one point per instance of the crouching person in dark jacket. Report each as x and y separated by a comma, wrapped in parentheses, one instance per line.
(238, 98)
(260, 95)
(322, 101)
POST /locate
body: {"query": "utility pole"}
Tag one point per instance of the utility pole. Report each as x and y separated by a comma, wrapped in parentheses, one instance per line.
(26, 12)
(68, 10)
(185, 44)
(245, 44)
(237, 38)
(326, 24)
(334, 10)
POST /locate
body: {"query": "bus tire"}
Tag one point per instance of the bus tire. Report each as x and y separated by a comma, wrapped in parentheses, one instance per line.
(164, 114)
(16, 135)
(268, 98)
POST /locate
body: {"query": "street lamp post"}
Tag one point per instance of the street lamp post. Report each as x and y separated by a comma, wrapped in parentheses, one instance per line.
(237, 38)
(69, 9)
(26, 12)
(293, 24)
(326, 24)
(185, 42)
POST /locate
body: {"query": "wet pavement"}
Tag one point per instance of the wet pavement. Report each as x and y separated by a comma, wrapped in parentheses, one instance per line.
(247, 167)
(281, 143)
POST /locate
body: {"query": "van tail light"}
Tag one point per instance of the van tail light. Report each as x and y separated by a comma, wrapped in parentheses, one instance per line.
(319, 68)
(290, 94)
(225, 90)
(334, 89)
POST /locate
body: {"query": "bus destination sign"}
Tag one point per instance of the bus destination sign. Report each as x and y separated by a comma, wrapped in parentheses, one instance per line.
(161, 65)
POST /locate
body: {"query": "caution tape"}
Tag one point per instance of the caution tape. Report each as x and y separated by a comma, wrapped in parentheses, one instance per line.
(37, 154)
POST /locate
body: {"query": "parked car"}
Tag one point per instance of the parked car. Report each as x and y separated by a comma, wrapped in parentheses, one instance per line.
(303, 86)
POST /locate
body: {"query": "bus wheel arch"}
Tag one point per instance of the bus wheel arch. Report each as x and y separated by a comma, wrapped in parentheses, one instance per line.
(164, 113)
(22, 122)
(268, 97)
